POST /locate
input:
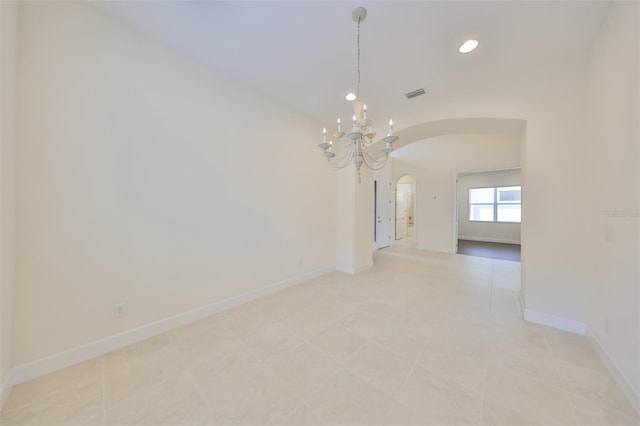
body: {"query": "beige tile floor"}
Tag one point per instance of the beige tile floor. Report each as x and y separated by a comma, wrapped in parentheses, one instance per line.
(422, 338)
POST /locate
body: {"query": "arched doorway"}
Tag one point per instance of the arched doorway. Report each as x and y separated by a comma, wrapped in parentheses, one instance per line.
(419, 153)
(405, 209)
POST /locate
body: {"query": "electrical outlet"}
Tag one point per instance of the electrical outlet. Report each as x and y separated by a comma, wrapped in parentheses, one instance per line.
(119, 310)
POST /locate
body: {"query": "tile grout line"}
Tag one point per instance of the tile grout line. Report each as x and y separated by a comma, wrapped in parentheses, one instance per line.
(392, 398)
(292, 392)
(484, 362)
(345, 364)
(302, 404)
(484, 383)
(188, 372)
(573, 409)
(104, 392)
(491, 291)
(562, 385)
(393, 351)
(406, 380)
(562, 379)
(365, 379)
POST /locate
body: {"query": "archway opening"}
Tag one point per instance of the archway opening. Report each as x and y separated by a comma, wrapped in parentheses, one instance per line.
(405, 205)
(436, 152)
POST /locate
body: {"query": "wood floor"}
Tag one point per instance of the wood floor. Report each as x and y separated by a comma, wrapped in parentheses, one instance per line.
(490, 250)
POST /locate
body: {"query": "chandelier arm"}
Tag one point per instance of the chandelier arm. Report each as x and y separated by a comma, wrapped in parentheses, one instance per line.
(372, 163)
(343, 160)
(348, 153)
(345, 142)
(375, 167)
(343, 165)
(376, 160)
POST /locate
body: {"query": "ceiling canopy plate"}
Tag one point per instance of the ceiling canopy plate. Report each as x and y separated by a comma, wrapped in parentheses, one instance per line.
(359, 14)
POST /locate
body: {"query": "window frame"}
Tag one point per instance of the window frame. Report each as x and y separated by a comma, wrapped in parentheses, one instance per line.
(494, 205)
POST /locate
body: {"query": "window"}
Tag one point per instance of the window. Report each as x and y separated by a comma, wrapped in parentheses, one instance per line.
(482, 204)
(499, 204)
(509, 199)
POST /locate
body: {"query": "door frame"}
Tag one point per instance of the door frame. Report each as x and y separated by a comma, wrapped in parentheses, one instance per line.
(414, 195)
(378, 183)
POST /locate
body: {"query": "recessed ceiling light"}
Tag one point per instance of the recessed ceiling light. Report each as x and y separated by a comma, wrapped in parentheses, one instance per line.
(468, 46)
(350, 97)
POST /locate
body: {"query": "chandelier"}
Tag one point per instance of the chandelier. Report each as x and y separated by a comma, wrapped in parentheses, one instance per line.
(358, 143)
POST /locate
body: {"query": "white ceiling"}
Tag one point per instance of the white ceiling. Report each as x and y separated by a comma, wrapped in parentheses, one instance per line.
(303, 53)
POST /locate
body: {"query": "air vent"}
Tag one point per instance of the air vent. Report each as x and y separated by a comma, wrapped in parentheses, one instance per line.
(415, 93)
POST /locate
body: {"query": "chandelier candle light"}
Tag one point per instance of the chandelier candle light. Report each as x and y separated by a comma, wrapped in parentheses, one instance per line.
(357, 145)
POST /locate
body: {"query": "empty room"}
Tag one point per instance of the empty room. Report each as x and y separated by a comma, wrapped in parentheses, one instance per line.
(279, 212)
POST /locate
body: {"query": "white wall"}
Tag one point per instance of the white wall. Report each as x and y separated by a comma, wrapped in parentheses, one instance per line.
(434, 164)
(8, 29)
(551, 98)
(145, 178)
(614, 314)
(581, 138)
(354, 229)
(486, 231)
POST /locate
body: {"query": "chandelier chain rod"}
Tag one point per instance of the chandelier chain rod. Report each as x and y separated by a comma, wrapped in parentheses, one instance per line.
(358, 43)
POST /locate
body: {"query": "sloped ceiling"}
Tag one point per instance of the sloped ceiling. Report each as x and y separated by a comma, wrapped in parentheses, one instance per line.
(303, 53)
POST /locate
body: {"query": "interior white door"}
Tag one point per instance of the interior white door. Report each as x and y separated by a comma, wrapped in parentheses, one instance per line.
(383, 210)
(403, 197)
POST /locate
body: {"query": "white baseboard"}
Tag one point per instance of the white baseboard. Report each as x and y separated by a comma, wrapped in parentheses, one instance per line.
(31, 370)
(364, 267)
(426, 247)
(489, 240)
(578, 327)
(351, 269)
(6, 389)
(554, 321)
(347, 269)
(521, 304)
(623, 383)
